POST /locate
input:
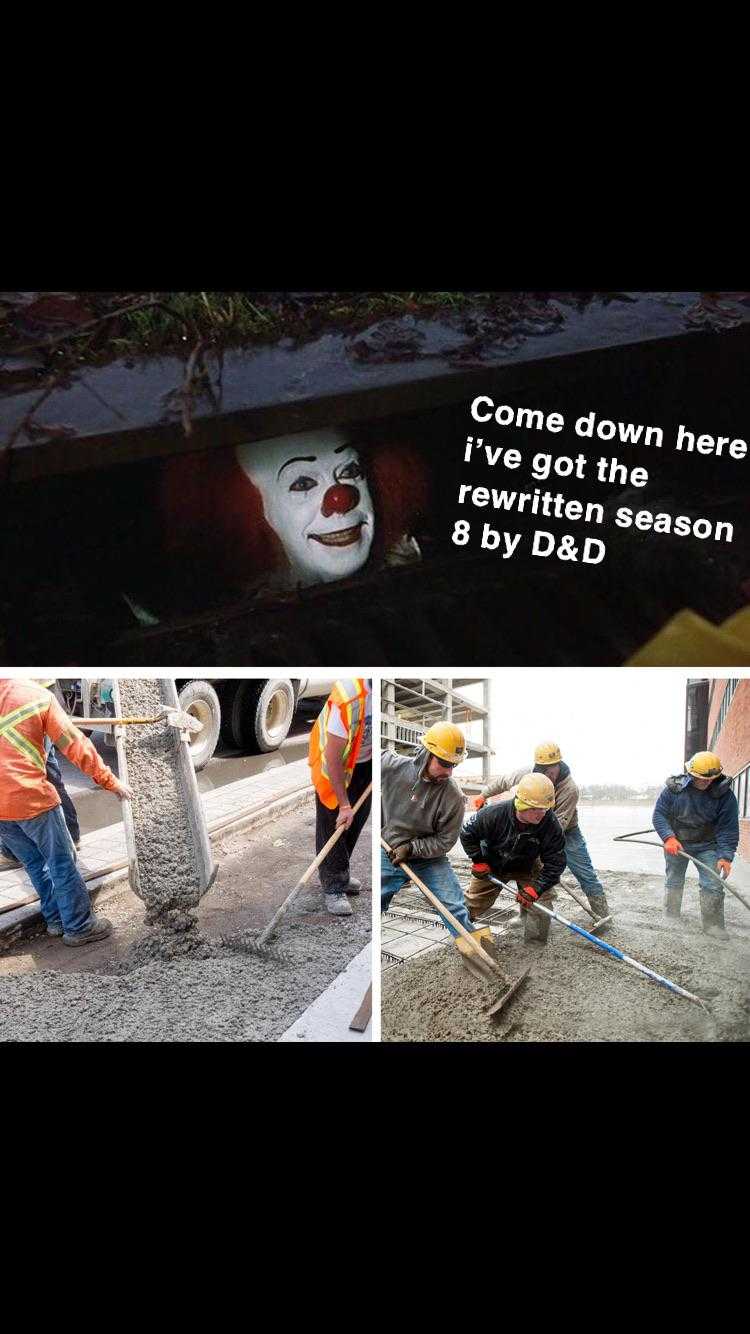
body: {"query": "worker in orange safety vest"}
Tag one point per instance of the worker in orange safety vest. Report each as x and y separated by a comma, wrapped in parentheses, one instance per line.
(32, 826)
(340, 758)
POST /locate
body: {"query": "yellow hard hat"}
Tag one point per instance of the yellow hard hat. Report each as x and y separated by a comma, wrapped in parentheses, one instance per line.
(535, 790)
(547, 753)
(446, 741)
(704, 764)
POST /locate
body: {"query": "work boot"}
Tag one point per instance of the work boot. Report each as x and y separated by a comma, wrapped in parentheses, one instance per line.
(535, 924)
(56, 929)
(339, 905)
(672, 902)
(354, 885)
(598, 905)
(99, 928)
(712, 916)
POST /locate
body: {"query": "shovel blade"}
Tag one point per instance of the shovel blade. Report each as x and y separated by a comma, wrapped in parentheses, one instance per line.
(499, 1004)
(185, 721)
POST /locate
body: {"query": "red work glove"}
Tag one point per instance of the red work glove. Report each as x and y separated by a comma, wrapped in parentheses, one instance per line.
(724, 867)
(672, 846)
(526, 896)
(477, 803)
(481, 868)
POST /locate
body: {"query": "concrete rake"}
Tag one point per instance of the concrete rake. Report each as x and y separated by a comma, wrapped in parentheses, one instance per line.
(480, 964)
(260, 945)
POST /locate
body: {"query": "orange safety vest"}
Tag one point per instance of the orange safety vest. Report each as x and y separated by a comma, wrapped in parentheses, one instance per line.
(28, 713)
(350, 697)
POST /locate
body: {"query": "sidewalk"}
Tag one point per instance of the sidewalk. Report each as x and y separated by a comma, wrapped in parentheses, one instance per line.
(328, 1018)
(106, 846)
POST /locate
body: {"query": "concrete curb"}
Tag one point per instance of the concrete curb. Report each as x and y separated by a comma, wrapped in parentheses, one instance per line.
(27, 921)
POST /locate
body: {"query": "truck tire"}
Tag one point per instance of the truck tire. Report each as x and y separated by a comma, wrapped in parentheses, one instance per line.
(261, 715)
(200, 699)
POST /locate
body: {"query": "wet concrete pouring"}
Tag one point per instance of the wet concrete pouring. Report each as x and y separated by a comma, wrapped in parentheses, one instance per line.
(575, 992)
(113, 991)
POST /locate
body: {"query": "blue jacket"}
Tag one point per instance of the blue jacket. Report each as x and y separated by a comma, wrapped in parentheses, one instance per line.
(698, 818)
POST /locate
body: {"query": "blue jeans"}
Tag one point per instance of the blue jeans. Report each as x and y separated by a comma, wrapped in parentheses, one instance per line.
(579, 863)
(438, 876)
(677, 869)
(43, 847)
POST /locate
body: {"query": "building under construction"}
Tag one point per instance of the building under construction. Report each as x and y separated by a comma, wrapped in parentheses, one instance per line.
(410, 705)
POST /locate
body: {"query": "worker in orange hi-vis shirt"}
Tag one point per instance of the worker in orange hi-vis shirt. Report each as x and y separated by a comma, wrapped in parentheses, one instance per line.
(32, 825)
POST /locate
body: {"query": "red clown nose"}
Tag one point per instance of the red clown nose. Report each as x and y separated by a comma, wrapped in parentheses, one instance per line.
(339, 500)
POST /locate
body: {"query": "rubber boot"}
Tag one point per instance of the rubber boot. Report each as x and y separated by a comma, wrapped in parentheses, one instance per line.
(598, 905)
(673, 902)
(712, 915)
(338, 905)
(536, 924)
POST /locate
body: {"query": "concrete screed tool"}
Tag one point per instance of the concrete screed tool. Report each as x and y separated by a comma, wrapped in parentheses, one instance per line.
(259, 946)
(481, 963)
(649, 842)
(609, 949)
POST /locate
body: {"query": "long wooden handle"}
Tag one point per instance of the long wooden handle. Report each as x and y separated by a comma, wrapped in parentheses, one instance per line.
(577, 900)
(324, 851)
(445, 912)
(113, 722)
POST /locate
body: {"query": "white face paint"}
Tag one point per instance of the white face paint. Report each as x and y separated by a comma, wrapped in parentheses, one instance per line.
(316, 499)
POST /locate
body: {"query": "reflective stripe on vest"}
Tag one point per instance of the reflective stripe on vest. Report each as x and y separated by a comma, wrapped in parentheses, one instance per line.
(17, 739)
(351, 696)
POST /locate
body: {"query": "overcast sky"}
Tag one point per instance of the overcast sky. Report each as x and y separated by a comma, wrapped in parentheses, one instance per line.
(613, 725)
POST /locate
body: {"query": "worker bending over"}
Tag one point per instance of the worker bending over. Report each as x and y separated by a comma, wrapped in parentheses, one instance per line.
(521, 838)
(421, 813)
(697, 812)
(548, 760)
(340, 757)
(32, 826)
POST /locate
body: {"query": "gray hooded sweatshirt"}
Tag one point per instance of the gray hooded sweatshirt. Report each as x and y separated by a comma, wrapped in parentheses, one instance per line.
(415, 810)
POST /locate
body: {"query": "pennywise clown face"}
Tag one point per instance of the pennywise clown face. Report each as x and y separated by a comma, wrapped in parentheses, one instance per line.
(316, 498)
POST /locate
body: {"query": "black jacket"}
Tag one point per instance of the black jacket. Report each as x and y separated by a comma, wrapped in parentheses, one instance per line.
(494, 835)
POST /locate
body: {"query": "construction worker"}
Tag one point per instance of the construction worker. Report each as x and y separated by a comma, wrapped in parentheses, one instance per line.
(696, 812)
(548, 760)
(521, 838)
(54, 774)
(340, 757)
(421, 813)
(32, 826)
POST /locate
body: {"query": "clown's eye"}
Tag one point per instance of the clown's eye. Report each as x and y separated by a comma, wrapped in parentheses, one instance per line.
(350, 472)
(303, 484)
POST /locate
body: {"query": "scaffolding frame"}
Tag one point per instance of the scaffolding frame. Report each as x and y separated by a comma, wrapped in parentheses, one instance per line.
(409, 705)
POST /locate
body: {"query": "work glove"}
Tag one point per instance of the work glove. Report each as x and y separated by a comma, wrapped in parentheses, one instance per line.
(672, 846)
(345, 816)
(724, 867)
(477, 803)
(400, 853)
(526, 896)
(124, 790)
(481, 869)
